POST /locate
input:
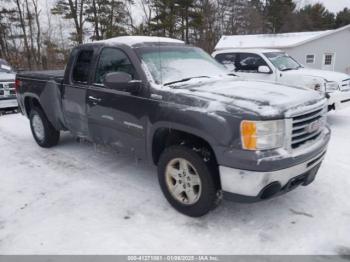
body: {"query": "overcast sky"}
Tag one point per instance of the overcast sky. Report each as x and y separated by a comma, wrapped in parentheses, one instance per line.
(332, 5)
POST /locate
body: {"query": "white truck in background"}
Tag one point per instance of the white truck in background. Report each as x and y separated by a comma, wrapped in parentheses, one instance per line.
(276, 66)
(8, 99)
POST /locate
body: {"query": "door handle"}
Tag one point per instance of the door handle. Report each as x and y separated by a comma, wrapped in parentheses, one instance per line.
(95, 99)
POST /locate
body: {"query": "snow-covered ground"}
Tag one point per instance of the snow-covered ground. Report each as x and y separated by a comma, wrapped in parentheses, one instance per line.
(81, 199)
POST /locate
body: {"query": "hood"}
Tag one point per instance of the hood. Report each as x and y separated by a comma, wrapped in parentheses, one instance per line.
(329, 76)
(7, 76)
(264, 99)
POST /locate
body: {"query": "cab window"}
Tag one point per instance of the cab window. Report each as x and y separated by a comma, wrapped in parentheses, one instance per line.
(249, 63)
(113, 60)
(81, 70)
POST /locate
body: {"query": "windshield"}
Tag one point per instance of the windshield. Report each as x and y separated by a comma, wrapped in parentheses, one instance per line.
(5, 67)
(283, 61)
(169, 65)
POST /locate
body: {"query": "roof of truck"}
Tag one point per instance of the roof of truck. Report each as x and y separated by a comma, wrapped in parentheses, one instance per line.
(137, 40)
(273, 40)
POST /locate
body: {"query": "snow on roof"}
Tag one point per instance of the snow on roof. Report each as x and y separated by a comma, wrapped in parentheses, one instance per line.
(133, 40)
(272, 40)
(243, 50)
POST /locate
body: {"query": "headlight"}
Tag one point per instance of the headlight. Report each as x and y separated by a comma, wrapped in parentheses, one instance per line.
(332, 86)
(262, 135)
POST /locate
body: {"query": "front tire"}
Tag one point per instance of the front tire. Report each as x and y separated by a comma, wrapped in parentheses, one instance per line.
(43, 131)
(187, 181)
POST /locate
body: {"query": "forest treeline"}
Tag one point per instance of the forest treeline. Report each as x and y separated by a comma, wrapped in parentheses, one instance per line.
(38, 35)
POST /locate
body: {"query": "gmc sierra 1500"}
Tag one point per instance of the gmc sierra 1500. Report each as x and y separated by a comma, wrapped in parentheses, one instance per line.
(210, 133)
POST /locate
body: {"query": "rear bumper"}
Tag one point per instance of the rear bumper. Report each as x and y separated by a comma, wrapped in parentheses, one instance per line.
(339, 100)
(252, 186)
(8, 103)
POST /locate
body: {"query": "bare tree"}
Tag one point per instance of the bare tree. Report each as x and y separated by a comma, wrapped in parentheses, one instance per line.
(147, 10)
(75, 10)
(29, 18)
(38, 30)
(95, 20)
(24, 31)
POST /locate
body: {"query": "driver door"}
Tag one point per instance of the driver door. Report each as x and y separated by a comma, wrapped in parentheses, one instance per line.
(115, 117)
(247, 65)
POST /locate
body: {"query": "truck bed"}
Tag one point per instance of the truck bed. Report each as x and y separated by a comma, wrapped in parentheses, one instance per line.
(45, 87)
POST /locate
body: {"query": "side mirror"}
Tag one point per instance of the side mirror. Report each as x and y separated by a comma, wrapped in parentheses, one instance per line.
(121, 81)
(264, 70)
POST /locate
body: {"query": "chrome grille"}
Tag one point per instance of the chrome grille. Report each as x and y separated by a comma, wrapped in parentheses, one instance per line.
(307, 127)
(7, 90)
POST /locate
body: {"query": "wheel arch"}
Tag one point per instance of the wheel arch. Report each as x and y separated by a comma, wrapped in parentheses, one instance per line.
(31, 101)
(165, 135)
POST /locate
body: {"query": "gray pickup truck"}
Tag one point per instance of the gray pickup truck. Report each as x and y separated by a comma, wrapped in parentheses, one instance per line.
(210, 133)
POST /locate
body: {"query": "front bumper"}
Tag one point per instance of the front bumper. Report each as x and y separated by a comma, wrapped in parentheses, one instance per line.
(8, 103)
(339, 100)
(249, 186)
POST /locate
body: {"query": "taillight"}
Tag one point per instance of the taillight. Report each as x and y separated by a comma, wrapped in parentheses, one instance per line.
(18, 84)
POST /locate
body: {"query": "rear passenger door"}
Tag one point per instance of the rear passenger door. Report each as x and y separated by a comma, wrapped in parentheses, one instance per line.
(74, 92)
(116, 117)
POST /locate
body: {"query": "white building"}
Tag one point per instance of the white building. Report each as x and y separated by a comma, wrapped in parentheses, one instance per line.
(329, 50)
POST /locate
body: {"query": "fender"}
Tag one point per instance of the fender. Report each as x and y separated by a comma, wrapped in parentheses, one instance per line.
(50, 100)
(178, 127)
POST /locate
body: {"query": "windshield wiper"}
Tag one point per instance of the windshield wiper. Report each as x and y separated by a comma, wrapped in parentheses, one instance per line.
(288, 69)
(185, 80)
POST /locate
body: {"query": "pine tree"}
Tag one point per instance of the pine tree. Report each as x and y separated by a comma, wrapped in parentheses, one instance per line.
(343, 18)
(207, 34)
(278, 13)
(315, 17)
(108, 18)
(255, 18)
(166, 21)
(189, 16)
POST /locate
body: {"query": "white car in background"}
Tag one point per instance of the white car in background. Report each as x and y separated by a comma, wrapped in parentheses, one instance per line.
(277, 66)
(8, 99)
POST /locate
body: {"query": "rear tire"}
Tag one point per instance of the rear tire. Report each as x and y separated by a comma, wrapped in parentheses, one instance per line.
(43, 131)
(193, 192)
